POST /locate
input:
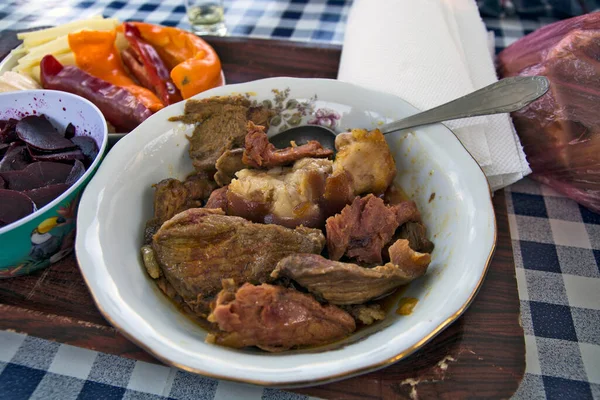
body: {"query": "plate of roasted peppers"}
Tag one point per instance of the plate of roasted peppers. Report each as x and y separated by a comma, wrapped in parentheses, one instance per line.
(129, 70)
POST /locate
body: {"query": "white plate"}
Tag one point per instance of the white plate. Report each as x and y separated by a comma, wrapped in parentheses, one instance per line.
(11, 60)
(118, 201)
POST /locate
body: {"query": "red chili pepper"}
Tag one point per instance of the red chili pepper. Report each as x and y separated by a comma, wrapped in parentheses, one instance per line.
(135, 67)
(156, 72)
(122, 109)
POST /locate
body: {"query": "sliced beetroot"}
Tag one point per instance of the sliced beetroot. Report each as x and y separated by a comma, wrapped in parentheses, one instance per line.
(70, 131)
(50, 173)
(3, 148)
(15, 158)
(68, 155)
(76, 172)
(14, 206)
(38, 164)
(87, 145)
(7, 131)
(38, 132)
(21, 180)
(44, 195)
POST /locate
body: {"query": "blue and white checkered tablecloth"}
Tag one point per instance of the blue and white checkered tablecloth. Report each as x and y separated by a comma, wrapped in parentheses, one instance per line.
(556, 242)
(556, 246)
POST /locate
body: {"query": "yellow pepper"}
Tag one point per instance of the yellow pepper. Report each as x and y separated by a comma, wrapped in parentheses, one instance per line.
(195, 66)
(95, 53)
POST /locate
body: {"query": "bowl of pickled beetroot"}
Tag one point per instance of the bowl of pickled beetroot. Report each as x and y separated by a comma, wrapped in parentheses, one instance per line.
(51, 143)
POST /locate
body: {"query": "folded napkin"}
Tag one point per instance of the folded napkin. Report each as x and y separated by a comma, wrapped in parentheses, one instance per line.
(429, 52)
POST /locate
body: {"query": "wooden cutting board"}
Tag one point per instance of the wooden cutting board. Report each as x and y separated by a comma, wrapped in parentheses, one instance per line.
(482, 354)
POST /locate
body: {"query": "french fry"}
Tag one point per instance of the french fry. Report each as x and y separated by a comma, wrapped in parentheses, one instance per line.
(97, 25)
(18, 51)
(23, 69)
(34, 73)
(57, 46)
(36, 38)
(11, 81)
(49, 31)
(66, 59)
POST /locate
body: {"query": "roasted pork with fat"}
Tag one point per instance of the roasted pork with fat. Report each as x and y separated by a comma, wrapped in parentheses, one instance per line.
(227, 165)
(366, 157)
(199, 247)
(260, 153)
(346, 283)
(275, 318)
(288, 196)
(220, 126)
(364, 227)
(172, 196)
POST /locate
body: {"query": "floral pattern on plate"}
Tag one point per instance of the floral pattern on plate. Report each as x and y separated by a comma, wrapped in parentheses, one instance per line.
(291, 112)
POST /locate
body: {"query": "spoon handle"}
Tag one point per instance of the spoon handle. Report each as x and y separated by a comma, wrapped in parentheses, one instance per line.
(506, 95)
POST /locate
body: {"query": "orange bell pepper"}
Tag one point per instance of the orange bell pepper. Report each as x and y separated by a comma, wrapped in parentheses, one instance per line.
(95, 53)
(195, 66)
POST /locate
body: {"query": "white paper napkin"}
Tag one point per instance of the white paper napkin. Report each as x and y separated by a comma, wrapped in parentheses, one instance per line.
(429, 52)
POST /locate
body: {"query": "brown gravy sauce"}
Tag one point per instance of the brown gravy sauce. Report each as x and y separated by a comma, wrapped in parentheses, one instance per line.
(406, 305)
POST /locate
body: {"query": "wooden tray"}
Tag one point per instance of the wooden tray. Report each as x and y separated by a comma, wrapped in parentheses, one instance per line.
(481, 355)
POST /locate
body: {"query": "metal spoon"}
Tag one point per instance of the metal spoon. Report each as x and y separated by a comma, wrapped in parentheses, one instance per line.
(506, 95)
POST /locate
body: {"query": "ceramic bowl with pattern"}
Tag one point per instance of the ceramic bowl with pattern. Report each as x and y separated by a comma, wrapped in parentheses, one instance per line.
(48, 235)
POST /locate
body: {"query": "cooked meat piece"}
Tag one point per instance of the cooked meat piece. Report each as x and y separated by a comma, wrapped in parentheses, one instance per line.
(169, 291)
(281, 195)
(199, 247)
(394, 195)
(411, 228)
(260, 115)
(346, 283)
(218, 199)
(363, 228)
(367, 158)
(416, 233)
(220, 131)
(227, 165)
(152, 226)
(339, 191)
(412, 263)
(260, 153)
(276, 319)
(172, 196)
(221, 125)
(366, 314)
(199, 186)
(191, 308)
(197, 110)
(406, 211)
